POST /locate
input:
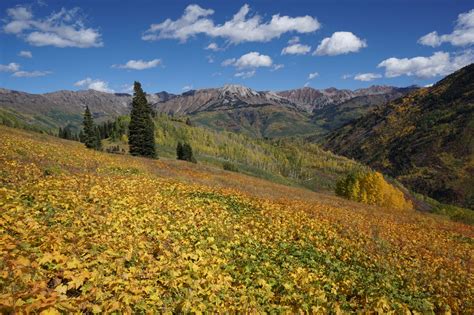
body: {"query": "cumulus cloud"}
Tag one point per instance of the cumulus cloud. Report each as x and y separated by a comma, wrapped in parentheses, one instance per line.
(60, 29)
(366, 77)
(139, 64)
(11, 67)
(340, 43)
(14, 68)
(195, 20)
(251, 60)
(245, 74)
(25, 54)
(313, 75)
(213, 47)
(440, 63)
(30, 74)
(94, 84)
(296, 49)
(462, 35)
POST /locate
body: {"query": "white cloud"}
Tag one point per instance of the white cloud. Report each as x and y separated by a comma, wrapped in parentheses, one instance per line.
(340, 43)
(462, 35)
(25, 53)
(213, 47)
(139, 64)
(296, 49)
(251, 60)
(61, 29)
(440, 63)
(187, 87)
(11, 67)
(127, 88)
(346, 76)
(210, 58)
(277, 67)
(294, 40)
(228, 62)
(306, 84)
(30, 74)
(195, 20)
(429, 85)
(313, 75)
(98, 85)
(245, 74)
(366, 77)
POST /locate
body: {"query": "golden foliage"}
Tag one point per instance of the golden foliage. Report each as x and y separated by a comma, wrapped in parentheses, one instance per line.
(119, 234)
(371, 188)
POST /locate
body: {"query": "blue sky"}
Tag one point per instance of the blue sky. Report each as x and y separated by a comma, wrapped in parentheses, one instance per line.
(106, 45)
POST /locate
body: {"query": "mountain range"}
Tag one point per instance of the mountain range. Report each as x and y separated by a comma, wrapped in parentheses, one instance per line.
(237, 108)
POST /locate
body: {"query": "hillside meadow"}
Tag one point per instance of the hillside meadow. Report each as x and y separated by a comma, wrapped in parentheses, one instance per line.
(290, 161)
(86, 231)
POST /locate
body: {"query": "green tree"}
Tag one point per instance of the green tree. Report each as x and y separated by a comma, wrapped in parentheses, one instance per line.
(141, 131)
(184, 152)
(188, 153)
(91, 136)
(179, 151)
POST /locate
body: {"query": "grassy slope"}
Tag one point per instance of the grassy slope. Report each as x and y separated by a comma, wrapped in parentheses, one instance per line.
(286, 161)
(259, 122)
(93, 232)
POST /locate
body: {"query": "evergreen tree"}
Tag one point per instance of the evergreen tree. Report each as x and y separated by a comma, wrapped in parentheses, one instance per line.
(90, 135)
(81, 136)
(179, 151)
(185, 152)
(141, 132)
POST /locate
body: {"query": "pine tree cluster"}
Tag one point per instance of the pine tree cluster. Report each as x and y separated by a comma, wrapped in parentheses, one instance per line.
(67, 133)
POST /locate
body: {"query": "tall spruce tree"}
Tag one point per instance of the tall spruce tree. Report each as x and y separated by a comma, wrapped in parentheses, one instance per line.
(91, 137)
(141, 134)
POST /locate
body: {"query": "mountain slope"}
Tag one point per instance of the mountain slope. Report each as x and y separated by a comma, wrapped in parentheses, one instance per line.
(58, 109)
(336, 115)
(85, 231)
(240, 109)
(289, 161)
(313, 100)
(424, 139)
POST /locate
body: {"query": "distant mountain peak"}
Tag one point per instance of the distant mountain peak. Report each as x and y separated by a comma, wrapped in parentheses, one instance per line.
(237, 89)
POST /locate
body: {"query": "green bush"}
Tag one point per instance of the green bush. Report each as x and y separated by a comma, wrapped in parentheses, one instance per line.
(228, 166)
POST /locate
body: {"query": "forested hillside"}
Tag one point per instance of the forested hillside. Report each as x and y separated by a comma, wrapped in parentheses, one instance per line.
(424, 139)
(291, 161)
